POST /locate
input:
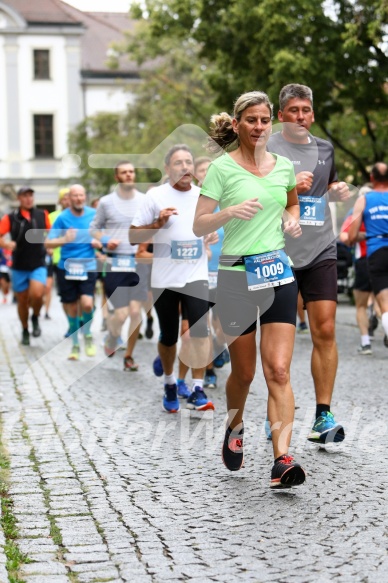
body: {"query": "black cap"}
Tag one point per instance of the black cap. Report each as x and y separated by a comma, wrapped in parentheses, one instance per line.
(25, 189)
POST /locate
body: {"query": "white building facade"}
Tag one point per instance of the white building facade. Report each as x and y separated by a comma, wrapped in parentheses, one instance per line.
(46, 89)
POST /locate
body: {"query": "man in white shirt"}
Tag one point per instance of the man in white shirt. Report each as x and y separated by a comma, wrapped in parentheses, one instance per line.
(179, 272)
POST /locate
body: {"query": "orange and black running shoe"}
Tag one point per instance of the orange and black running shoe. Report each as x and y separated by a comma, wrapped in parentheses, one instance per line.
(286, 473)
(232, 449)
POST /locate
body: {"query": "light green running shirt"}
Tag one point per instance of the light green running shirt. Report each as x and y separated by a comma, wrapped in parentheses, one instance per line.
(230, 184)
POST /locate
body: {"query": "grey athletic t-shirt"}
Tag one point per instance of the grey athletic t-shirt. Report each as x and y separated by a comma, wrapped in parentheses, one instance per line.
(317, 242)
(114, 217)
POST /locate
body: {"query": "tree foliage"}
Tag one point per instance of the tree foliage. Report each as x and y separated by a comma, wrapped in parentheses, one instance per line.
(199, 55)
(97, 134)
(173, 91)
(264, 44)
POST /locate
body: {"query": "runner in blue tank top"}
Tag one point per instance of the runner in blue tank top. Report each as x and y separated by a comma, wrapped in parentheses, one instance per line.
(372, 209)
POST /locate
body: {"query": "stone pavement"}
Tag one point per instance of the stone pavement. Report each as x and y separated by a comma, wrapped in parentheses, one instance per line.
(107, 487)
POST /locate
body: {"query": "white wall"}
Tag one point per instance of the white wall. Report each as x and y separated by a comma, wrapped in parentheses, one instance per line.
(3, 111)
(55, 96)
(43, 96)
(109, 98)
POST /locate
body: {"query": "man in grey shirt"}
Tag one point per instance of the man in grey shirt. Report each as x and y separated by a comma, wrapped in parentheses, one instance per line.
(314, 254)
(124, 285)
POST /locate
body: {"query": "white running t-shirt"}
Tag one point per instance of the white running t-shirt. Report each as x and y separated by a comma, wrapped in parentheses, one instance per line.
(179, 256)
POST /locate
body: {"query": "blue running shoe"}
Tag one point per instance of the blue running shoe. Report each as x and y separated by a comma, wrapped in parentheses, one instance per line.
(218, 361)
(326, 430)
(210, 381)
(158, 367)
(170, 399)
(183, 389)
(199, 401)
(226, 356)
(267, 428)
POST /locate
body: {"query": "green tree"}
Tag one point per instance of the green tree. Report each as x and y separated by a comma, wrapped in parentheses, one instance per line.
(265, 44)
(95, 135)
(172, 91)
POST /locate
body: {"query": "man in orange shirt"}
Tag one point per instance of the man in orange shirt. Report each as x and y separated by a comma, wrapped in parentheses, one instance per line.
(29, 270)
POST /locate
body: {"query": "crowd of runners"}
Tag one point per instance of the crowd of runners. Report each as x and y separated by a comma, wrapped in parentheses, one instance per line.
(225, 242)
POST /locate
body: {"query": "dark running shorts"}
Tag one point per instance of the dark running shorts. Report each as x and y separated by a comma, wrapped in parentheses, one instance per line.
(5, 275)
(70, 290)
(194, 300)
(237, 307)
(212, 301)
(378, 270)
(50, 270)
(318, 282)
(124, 287)
(362, 279)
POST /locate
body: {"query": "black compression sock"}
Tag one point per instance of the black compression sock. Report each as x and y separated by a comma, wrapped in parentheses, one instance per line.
(320, 409)
(235, 430)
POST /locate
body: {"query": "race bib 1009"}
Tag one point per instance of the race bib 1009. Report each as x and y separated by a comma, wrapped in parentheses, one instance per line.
(268, 270)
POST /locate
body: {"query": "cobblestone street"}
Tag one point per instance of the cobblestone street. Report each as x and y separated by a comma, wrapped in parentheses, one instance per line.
(105, 486)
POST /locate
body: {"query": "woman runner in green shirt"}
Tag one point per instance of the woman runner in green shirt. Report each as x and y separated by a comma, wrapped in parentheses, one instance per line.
(256, 193)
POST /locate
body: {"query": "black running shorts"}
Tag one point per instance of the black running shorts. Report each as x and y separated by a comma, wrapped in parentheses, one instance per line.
(318, 282)
(378, 270)
(194, 298)
(238, 308)
(124, 287)
(70, 290)
(362, 279)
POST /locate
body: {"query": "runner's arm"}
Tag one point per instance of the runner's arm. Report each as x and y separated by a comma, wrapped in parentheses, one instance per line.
(291, 214)
(207, 221)
(142, 255)
(344, 232)
(338, 191)
(292, 210)
(356, 220)
(5, 228)
(142, 233)
(304, 181)
(47, 220)
(68, 237)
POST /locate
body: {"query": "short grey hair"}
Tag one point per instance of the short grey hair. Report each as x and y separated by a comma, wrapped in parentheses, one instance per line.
(294, 90)
(174, 149)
